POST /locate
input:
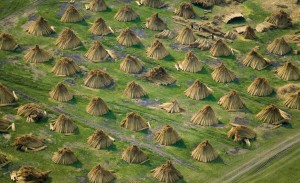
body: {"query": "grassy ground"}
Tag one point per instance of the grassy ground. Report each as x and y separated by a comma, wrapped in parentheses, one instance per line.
(37, 81)
(281, 169)
(9, 6)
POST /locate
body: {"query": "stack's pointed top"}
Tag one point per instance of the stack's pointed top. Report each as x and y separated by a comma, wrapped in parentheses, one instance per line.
(64, 156)
(126, 14)
(159, 76)
(128, 38)
(222, 74)
(134, 122)
(63, 124)
(260, 87)
(204, 152)
(7, 42)
(185, 10)
(97, 53)
(100, 28)
(157, 50)
(99, 175)
(279, 47)
(134, 90)
(190, 63)
(186, 36)
(155, 23)
(219, 48)
(40, 27)
(231, 101)
(67, 39)
(99, 140)
(37, 55)
(61, 93)
(273, 115)
(280, 19)
(97, 107)
(65, 66)
(249, 33)
(98, 79)
(133, 154)
(131, 64)
(167, 173)
(71, 15)
(167, 135)
(97, 5)
(198, 91)
(171, 107)
(255, 61)
(288, 71)
(205, 117)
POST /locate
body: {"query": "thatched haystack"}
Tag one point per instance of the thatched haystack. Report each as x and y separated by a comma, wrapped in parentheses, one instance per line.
(29, 142)
(99, 140)
(134, 122)
(293, 101)
(205, 117)
(7, 42)
(64, 156)
(37, 55)
(288, 71)
(231, 101)
(63, 124)
(207, 3)
(7, 97)
(165, 34)
(99, 28)
(97, 5)
(128, 38)
(273, 115)
(190, 63)
(97, 107)
(185, 10)
(133, 154)
(186, 36)
(249, 33)
(155, 23)
(222, 74)
(5, 125)
(134, 90)
(157, 50)
(153, 3)
(67, 39)
(204, 152)
(65, 66)
(241, 133)
(40, 27)
(260, 87)
(3, 160)
(280, 19)
(202, 44)
(230, 35)
(198, 91)
(159, 76)
(255, 61)
(61, 93)
(167, 135)
(32, 112)
(126, 14)
(98, 79)
(285, 91)
(171, 107)
(99, 175)
(28, 174)
(71, 15)
(279, 47)
(167, 173)
(219, 48)
(97, 53)
(131, 64)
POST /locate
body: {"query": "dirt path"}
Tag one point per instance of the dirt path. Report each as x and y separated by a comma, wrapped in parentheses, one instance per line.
(152, 147)
(262, 159)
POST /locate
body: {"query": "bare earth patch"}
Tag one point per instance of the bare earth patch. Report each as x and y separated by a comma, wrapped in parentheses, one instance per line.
(147, 102)
(237, 151)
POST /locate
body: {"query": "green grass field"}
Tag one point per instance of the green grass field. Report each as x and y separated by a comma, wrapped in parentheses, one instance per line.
(36, 81)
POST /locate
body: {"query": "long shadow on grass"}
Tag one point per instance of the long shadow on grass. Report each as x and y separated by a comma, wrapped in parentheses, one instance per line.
(110, 115)
(112, 147)
(169, 58)
(180, 144)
